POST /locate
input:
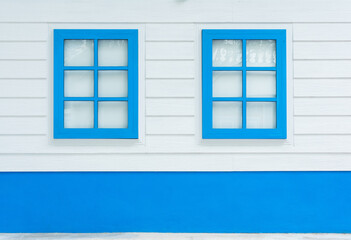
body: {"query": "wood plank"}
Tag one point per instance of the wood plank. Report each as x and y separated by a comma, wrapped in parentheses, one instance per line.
(112, 11)
(46, 144)
(322, 87)
(170, 32)
(170, 69)
(23, 107)
(224, 11)
(170, 125)
(194, 144)
(322, 125)
(169, 50)
(322, 50)
(180, 162)
(322, 106)
(23, 125)
(23, 50)
(170, 88)
(23, 69)
(302, 144)
(170, 107)
(23, 88)
(322, 69)
(322, 31)
(323, 143)
(171, 144)
(22, 31)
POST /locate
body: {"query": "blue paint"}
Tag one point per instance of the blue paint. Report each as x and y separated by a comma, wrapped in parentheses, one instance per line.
(223, 202)
(208, 132)
(59, 131)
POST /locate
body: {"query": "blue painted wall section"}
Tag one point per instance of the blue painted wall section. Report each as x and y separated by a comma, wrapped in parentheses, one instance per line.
(176, 202)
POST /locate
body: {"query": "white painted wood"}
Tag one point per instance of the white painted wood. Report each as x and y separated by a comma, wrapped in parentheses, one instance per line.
(23, 125)
(23, 50)
(322, 143)
(22, 31)
(23, 107)
(170, 69)
(190, 144)
(176, 162)
(23, 88)
(40, 144)
(172, 77)
(322, 31)
(302, 144)
(170, 32)
(322, 125)
(322, 106)
(322, 87)
(170, 107)
(173, 236)
(175, 11)
(170, 125)
(174, 143)
(322, 50)
(169, 50)
(23, 69)
(170, 88)
(322, 69)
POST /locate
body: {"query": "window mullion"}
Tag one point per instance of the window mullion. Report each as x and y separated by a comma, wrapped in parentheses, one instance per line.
(244, 84)
(95, 83)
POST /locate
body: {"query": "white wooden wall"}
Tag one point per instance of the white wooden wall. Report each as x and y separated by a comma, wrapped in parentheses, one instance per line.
(319, 80)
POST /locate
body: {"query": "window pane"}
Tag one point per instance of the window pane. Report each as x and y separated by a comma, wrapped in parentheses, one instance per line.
(113, 84)
(227, 53)
(79, 84)
(227, 84)
(113, 114)
(113, 52)
(79, 53)
(79, 114)
(261, 115)
(227, 114)
(260, 53)
(261, 83)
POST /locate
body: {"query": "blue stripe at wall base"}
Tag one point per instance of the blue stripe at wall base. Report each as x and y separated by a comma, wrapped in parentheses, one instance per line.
(220, 202)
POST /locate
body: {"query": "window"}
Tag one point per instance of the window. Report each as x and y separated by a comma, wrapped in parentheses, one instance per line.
(243, 84)
(95, 84)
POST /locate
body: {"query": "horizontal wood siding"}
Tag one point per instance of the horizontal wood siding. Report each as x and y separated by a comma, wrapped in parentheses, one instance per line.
(322, 87)
(160, 11)
(170, 107)
(319, 58)
(180, 88)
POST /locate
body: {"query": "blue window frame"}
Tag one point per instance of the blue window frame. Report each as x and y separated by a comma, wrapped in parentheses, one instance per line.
(111, 105)
(242, 107)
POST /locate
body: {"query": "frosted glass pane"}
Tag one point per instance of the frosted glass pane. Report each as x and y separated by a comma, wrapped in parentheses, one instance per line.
(227, 53)
(227, 114)
(113, 52)
(79, 84)
(260, 53)
(113, 114)
(79, 114)
(227, 84)
(261, 115)
(79, 53)
(261, 83)
(113, 84)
